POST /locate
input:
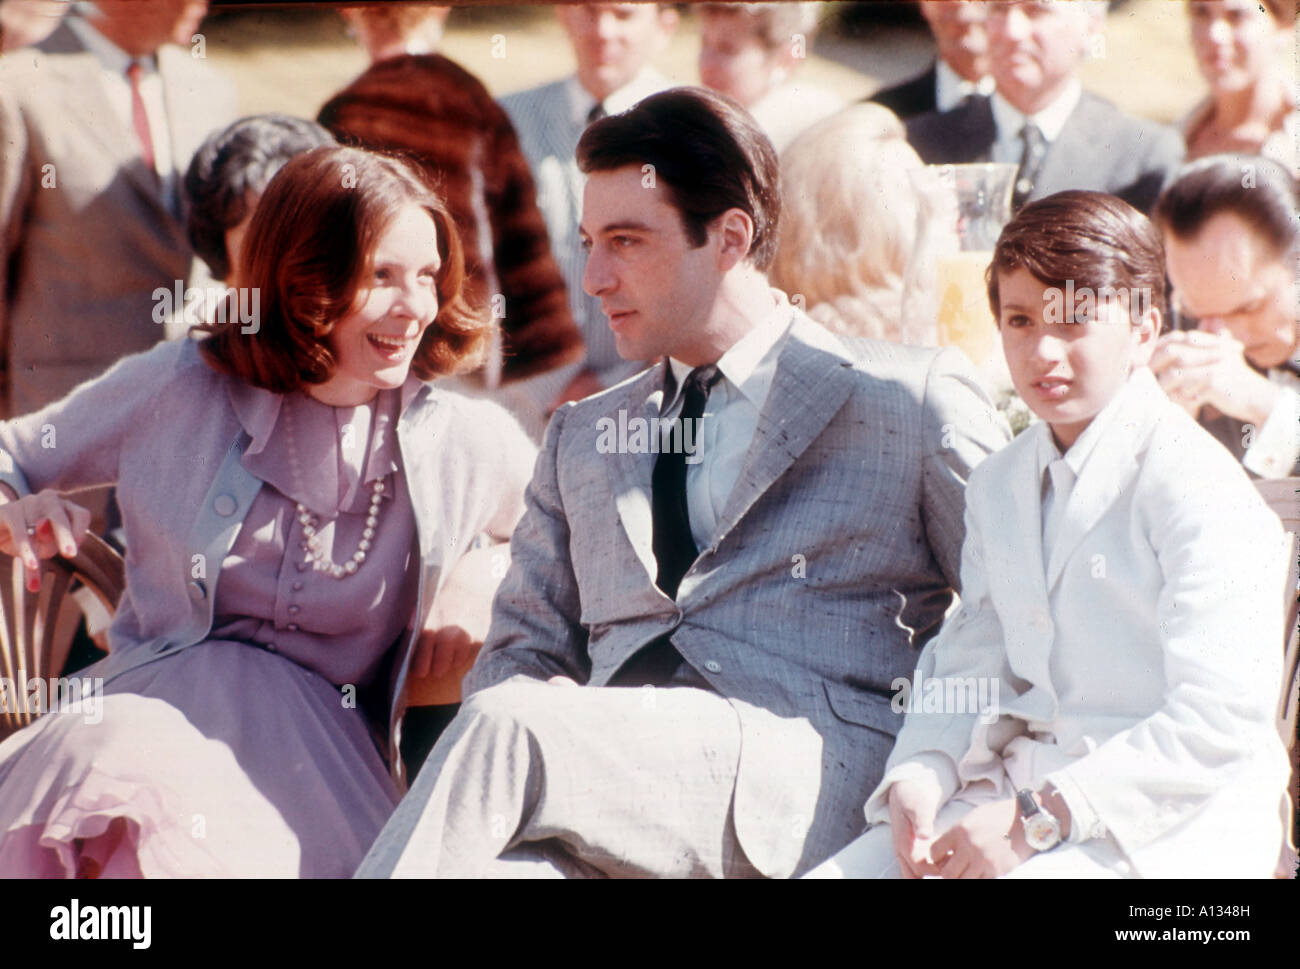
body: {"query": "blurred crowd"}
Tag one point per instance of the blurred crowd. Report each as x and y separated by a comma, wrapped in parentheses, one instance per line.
(1003, 87)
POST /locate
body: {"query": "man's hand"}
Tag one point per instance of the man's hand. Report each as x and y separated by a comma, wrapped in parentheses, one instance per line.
(912, 809)
(459, 620)
(1200, 367)
(986, 843)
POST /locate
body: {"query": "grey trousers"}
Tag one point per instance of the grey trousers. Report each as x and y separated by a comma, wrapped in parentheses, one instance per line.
(538, 780)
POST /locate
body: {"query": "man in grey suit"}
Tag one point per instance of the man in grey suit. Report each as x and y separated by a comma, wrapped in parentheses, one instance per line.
(1040, 118)
(724, 562)
(97, 123)
(614, 45)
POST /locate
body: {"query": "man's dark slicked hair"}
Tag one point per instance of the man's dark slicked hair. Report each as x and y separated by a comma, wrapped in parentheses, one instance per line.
(1268, 201)
(708, 153)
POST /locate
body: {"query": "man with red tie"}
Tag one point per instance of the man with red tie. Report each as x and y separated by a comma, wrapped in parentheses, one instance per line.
(98, 121)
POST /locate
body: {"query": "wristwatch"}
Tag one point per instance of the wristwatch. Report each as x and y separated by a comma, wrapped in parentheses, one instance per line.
(1042, 830)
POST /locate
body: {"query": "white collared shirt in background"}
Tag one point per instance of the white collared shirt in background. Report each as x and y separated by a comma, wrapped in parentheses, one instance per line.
(647, 82)
(730, 417)
(1008, 147)
(951, 89)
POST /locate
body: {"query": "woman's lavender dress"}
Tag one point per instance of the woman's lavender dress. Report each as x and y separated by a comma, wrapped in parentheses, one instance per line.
(249, 753)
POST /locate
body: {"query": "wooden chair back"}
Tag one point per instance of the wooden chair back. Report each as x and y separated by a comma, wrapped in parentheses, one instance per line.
(36, 630)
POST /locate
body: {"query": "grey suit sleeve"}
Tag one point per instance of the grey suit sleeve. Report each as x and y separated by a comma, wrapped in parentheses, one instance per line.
(535, 629)
(962, 427)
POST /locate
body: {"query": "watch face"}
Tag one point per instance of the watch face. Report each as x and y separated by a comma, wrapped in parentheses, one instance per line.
(1042, 832)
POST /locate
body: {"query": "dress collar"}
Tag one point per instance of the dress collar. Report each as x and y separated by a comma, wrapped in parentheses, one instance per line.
(320, 456)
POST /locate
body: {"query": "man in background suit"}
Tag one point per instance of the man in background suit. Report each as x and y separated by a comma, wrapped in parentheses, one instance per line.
(1040, 118)
(98, 121)
(1231, 228)
(613, 44)
(960, 70)
(690, 660)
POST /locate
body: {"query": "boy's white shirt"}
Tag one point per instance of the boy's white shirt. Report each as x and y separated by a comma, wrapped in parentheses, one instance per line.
(1160, 574)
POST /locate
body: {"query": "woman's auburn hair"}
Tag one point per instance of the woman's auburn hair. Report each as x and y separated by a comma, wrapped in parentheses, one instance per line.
(308, 254)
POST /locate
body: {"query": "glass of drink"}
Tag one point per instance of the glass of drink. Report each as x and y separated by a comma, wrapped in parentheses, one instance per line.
(945, 299)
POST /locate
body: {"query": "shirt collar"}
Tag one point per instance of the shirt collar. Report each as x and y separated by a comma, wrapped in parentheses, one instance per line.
(750, 364)
(950, 88)
(111, 57)
(1139, 383)
(647, 82)
(1050, 120)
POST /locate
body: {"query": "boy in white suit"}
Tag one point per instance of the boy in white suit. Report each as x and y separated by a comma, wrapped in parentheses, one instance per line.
(1120, 603)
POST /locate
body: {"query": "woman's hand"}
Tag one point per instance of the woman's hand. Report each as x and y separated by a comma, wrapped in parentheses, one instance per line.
(986, 843)
(912, 809)
(41, 526)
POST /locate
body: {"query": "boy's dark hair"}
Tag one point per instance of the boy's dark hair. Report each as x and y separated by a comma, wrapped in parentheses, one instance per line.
(1268, 201)
(708, 153)
(1090, 239)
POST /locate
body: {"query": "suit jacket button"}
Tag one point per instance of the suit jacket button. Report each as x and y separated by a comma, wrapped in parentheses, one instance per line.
(225, 505)
(713, 666)
(198, 592)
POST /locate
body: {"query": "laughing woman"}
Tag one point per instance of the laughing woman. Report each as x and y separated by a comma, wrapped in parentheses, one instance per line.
(294, 494)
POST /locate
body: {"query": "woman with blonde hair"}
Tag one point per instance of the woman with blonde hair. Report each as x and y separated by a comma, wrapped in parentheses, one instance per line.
(849, 222)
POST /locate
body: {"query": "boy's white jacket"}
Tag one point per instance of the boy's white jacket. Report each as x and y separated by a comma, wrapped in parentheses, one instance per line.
(1149, 647)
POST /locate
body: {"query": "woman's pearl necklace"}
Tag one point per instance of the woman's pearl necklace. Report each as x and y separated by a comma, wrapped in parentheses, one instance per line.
(322, 562)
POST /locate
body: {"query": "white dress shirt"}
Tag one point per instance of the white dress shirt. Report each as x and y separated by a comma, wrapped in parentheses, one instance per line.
(1059, 473)
(1276, 447)
(117, 88)
(730, 416)
(950, 88)
(1008, 147)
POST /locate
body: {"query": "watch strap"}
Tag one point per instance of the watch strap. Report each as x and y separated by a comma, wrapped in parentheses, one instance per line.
(1025, 801)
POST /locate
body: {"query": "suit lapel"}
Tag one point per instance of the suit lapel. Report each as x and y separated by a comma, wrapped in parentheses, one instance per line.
(1108, 470)
(813, 379)
(83, 97)
(1077, 140)
(1014, 556)
(630, 470)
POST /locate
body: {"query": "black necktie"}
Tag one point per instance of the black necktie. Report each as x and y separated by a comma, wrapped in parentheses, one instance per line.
(1031, 160)
(674, 547)
(596, 113)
